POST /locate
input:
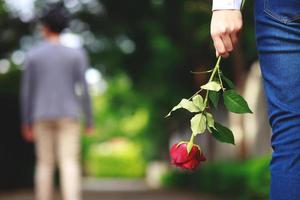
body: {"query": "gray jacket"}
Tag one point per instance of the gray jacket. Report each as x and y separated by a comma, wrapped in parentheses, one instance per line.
(52, 72)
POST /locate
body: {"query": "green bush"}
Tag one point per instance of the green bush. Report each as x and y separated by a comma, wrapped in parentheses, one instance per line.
(233, 179)
(116, 158)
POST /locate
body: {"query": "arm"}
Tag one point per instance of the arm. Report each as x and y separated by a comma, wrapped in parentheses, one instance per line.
(226, 23)
(26, 99)
(86, 100)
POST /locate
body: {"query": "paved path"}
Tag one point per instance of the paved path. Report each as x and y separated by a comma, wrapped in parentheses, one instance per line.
(112, 189)
(142, 195)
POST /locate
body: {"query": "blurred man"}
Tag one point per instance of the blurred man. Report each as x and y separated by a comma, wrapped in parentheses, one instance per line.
(51, 107)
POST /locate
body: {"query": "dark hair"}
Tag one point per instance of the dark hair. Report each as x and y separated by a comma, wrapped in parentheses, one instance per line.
(56, 18)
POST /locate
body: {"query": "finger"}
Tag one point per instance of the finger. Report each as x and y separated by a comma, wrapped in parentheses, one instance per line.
(234, 39)
(219, 46)
(225, 55)
(227, 43)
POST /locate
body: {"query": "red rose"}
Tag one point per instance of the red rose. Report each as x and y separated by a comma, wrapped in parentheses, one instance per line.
(181, 158)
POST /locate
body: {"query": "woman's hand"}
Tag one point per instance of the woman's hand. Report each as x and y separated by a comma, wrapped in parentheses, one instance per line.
(224, 29)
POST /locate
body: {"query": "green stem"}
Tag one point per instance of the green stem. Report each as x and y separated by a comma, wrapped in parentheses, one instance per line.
(192, 138)
(195, 94)
(205, 72)
(220, 79)
(216, 69)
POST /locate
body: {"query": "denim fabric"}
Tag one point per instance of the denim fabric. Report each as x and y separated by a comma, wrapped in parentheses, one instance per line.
(278, 42)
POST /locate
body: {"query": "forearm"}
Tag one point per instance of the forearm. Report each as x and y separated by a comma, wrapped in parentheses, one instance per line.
(83, 64)
(25, 100)
(87, 108)
(25, 119)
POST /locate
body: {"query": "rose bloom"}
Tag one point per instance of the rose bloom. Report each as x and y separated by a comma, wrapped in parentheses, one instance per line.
(181, 158)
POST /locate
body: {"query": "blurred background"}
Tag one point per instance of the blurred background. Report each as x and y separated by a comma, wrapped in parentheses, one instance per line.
(142, 54)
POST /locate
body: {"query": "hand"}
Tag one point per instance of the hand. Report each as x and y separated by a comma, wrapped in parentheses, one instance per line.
(89, 130)
(224, 29)
(27, 133)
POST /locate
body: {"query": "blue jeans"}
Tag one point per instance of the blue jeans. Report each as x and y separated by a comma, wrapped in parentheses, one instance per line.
(278, 42)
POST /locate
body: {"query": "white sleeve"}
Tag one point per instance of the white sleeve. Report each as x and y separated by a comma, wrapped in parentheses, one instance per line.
(226, 5)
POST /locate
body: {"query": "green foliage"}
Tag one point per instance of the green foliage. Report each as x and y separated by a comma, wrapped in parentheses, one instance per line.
(210, 120)
(229, 83)
(115, 158)
(186, 104)
(122, 121)
(214, 98)
(235, 180)
(235, 103)
(212, 86)
(194, 106)
(223, 134)
(10, 83)
(203, 120)
(198, 101)
(120, 111)
(198, 124)
(170, 39)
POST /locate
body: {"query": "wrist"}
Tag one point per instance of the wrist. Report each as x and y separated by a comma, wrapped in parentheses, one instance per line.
(226, 5)
(226, 10)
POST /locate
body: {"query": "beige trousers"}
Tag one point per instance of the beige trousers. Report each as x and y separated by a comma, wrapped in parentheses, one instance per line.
(57, 140)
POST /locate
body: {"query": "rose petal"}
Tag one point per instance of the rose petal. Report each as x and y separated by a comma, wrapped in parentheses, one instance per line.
(202, 157)
(193, 164)
(179, 153)
(181, 158)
